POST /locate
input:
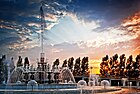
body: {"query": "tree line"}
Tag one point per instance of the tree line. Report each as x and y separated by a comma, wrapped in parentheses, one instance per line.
(79, 68)
(119, 67)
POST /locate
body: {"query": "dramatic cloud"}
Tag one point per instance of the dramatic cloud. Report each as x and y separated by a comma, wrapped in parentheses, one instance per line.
(76, 28)
(132, 25)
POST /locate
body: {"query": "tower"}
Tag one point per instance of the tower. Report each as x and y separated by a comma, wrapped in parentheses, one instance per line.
(42, 64)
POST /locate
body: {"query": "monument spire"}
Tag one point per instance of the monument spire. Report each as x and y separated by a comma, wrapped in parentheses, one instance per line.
(43, 25)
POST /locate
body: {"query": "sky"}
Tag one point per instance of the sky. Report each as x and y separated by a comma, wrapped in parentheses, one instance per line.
(74, 28)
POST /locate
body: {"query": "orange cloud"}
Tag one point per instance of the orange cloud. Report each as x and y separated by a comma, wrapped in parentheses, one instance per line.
(132, 25)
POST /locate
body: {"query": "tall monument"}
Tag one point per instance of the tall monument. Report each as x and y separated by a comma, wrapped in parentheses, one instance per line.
(42, 65)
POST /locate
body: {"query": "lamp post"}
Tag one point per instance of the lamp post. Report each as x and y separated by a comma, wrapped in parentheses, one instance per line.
(91, 69)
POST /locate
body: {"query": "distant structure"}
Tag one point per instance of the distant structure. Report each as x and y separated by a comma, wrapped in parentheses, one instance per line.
(42, 65)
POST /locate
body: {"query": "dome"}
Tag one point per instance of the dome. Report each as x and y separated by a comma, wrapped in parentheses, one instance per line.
(82, 83)
(66, 75)
(18, 82)
(105, 83)
(32, 82)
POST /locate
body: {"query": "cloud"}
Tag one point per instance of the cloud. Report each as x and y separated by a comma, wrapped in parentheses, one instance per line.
(22, 18)
(76, 28)
(132, 23)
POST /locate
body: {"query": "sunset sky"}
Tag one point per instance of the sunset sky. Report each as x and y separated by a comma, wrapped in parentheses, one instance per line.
(75, 28)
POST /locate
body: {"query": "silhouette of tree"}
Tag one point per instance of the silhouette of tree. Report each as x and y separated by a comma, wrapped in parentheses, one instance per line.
(115, 57)
(1, 71)
(64, 63)
(122, 64)
(122, 61)
(19, 63)
(136, 67)
(119, 69)
(116, 65)
(104, 67)
(84, 66)
(56, 62)
(70, 63)
(129, 66)
(26, 63)
(77, 69)
(111, 65)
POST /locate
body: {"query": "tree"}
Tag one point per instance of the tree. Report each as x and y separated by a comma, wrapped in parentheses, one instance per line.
(84, 66)
(64, 63)
(122, 64)
(115, 57)
(26, 63)
(1, 71)
(55, 64)
(116, 66)
(136, 67)
(122, 61)
(129, 66)
(70, 63)
(19, 63)
(77, 70)
(104, 67)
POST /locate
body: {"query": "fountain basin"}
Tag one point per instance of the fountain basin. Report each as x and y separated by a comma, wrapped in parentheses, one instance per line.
(39, 87)
(86, 90)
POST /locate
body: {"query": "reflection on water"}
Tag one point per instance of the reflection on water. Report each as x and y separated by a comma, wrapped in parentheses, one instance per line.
(86, 90)
(127, 91)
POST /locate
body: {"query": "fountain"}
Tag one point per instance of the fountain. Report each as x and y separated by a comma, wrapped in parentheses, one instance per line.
(124, 81)
(29, 79)
(66, 75)
(94, 78)
(105, 83)
(16, 75)
(81, 84)
(91, 83)
(32, 85)
(25, 79)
